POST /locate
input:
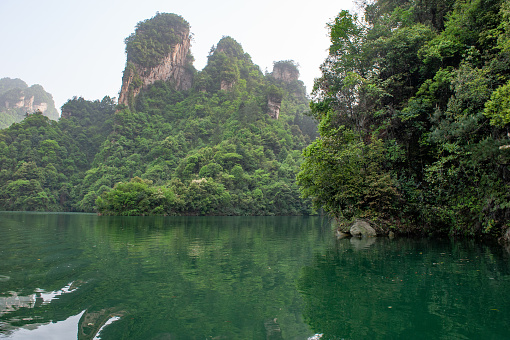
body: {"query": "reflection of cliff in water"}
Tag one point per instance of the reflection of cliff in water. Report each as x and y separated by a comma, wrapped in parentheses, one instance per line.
(14, 302)
(14, 309)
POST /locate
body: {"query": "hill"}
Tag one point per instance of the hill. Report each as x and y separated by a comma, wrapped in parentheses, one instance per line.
(226, 140)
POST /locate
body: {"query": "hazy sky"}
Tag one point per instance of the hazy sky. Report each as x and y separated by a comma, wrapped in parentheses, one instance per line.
(76, 48)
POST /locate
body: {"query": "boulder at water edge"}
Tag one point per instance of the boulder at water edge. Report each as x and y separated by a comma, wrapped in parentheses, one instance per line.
(362, 229)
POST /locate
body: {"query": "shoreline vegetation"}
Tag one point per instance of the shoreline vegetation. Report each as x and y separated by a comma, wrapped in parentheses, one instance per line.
(414, 120)
(408, 128)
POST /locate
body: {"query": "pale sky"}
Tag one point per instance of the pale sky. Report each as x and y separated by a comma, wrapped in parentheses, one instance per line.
(76, 48)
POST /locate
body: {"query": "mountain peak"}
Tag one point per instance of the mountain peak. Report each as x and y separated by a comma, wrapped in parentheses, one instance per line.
(159, 49)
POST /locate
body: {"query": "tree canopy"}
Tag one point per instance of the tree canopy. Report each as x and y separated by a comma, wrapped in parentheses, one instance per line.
(210, 150)
(413, 112)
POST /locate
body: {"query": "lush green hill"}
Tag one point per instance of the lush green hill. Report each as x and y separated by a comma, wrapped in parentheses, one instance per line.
(229, 144)
(414, 117)
(206, 150)
(43, 161)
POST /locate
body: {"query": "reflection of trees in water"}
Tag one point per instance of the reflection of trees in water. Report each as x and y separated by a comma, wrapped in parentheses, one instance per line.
(406, 289)
(165, 276)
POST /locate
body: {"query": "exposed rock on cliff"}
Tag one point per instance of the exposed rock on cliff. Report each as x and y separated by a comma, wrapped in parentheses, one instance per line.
(286, 71)
(226, 85)
(27, 104)
(158, 50)
(17, 100)
(273, 107)
(274, 101)
(223, 65)
(285, 75)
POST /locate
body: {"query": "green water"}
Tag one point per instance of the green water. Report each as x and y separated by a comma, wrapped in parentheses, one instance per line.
(79, 276)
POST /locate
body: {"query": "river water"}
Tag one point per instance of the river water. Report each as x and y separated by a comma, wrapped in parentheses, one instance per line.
(81, 276)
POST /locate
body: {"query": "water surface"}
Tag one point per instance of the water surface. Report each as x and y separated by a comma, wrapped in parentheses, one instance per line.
(80, 276)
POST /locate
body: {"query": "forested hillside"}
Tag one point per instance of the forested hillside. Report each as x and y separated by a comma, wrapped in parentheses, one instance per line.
(414, 114)
(225, 140)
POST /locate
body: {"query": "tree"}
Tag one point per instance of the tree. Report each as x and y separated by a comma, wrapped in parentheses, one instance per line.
(415, 105)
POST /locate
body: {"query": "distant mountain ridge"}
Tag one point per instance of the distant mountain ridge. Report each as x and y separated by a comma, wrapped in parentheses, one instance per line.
(17, 100)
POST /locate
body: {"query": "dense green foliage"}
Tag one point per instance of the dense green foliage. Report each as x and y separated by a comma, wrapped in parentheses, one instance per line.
(43, 161)
(206, 150)
(413, 109)
(209, 150)
(16, 91)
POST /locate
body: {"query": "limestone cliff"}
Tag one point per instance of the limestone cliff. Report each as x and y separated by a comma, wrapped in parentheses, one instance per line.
(158, 50)
(273, 107)
(17, 100)
(285, 71)
(26, 103)
(274, 101)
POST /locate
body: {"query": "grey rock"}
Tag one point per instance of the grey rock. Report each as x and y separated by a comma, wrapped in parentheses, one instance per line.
(362, 229)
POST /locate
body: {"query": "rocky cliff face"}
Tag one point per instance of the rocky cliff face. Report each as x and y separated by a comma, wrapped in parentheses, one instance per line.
(273, 107)
(27, 104)
(226, 85)
(285, 71)
(17, 99)
(175, 67)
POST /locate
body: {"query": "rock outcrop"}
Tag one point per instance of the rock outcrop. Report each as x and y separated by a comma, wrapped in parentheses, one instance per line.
(27, 104)
(273, 106)
(359, 228)
(274, 101)
(226, 85)
(285, 71)
(18, 100)
(175, 67)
